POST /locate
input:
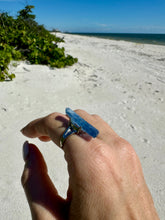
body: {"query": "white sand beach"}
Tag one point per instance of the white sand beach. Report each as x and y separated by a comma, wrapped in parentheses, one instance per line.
(123, 82)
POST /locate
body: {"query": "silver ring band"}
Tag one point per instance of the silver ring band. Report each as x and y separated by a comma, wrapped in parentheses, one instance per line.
(72, 129)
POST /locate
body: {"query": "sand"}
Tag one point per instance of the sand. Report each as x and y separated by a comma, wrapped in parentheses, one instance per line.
(121, 81)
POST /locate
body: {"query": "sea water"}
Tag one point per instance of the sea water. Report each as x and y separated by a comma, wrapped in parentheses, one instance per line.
(158, 39)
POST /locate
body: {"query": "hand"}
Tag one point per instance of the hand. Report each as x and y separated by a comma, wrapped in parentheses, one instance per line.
(105, 175)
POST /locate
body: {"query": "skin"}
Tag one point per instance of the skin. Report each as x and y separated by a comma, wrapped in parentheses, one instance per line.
(105, 175)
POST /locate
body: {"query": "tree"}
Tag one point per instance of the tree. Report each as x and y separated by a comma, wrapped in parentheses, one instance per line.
(26, 13)
(24, 39)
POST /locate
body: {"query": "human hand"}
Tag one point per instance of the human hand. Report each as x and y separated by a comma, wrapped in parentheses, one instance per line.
(105, 175)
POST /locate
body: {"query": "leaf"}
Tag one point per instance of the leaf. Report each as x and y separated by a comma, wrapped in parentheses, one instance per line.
(23, 38)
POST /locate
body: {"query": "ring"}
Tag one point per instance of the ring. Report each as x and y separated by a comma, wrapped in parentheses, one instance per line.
(76, 125)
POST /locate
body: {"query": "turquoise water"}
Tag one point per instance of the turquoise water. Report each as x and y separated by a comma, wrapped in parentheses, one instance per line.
(158, 39)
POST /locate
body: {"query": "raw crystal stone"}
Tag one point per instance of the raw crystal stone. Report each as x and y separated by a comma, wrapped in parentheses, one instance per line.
(77, 121)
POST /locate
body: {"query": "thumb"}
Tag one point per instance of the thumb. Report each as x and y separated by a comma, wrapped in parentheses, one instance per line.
(42, 196)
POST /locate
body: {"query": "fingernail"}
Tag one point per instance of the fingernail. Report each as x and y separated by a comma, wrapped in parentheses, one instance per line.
(25, 150)
(22, 130)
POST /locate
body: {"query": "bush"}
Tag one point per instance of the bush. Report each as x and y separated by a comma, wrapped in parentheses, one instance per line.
(24, 39)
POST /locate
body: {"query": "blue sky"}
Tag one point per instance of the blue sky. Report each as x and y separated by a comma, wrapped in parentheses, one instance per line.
(114, 16)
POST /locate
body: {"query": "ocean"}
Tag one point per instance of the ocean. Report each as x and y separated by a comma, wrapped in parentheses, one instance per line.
(158, 39)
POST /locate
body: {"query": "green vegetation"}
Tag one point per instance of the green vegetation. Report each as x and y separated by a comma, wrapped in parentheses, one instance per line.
(22, 38)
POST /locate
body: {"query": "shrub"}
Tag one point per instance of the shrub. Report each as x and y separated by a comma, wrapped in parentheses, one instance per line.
(24, 39)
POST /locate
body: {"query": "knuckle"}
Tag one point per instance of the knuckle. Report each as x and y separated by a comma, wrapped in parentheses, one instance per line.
(47, 120)
(122, 143)
(102, 159)
(52, 116)
(99, 150)
(126, 149)
(80, 112)
(96, 117)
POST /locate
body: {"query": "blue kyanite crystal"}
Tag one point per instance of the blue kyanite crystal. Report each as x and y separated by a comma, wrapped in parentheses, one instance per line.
(77, 121)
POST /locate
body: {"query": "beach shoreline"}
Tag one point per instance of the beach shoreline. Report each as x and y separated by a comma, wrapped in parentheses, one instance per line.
(153, 39)
(123, 82)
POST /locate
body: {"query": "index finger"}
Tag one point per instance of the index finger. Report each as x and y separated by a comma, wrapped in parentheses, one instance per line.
(53, 127)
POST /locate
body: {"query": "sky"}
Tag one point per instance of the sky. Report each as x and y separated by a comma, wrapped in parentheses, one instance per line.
(95, 16)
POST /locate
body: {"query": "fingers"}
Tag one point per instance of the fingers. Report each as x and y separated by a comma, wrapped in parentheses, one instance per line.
(43, 199)
(76, 147)
(53, 126)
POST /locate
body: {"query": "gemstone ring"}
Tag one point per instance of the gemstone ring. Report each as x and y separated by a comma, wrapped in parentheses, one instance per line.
(76, 125)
